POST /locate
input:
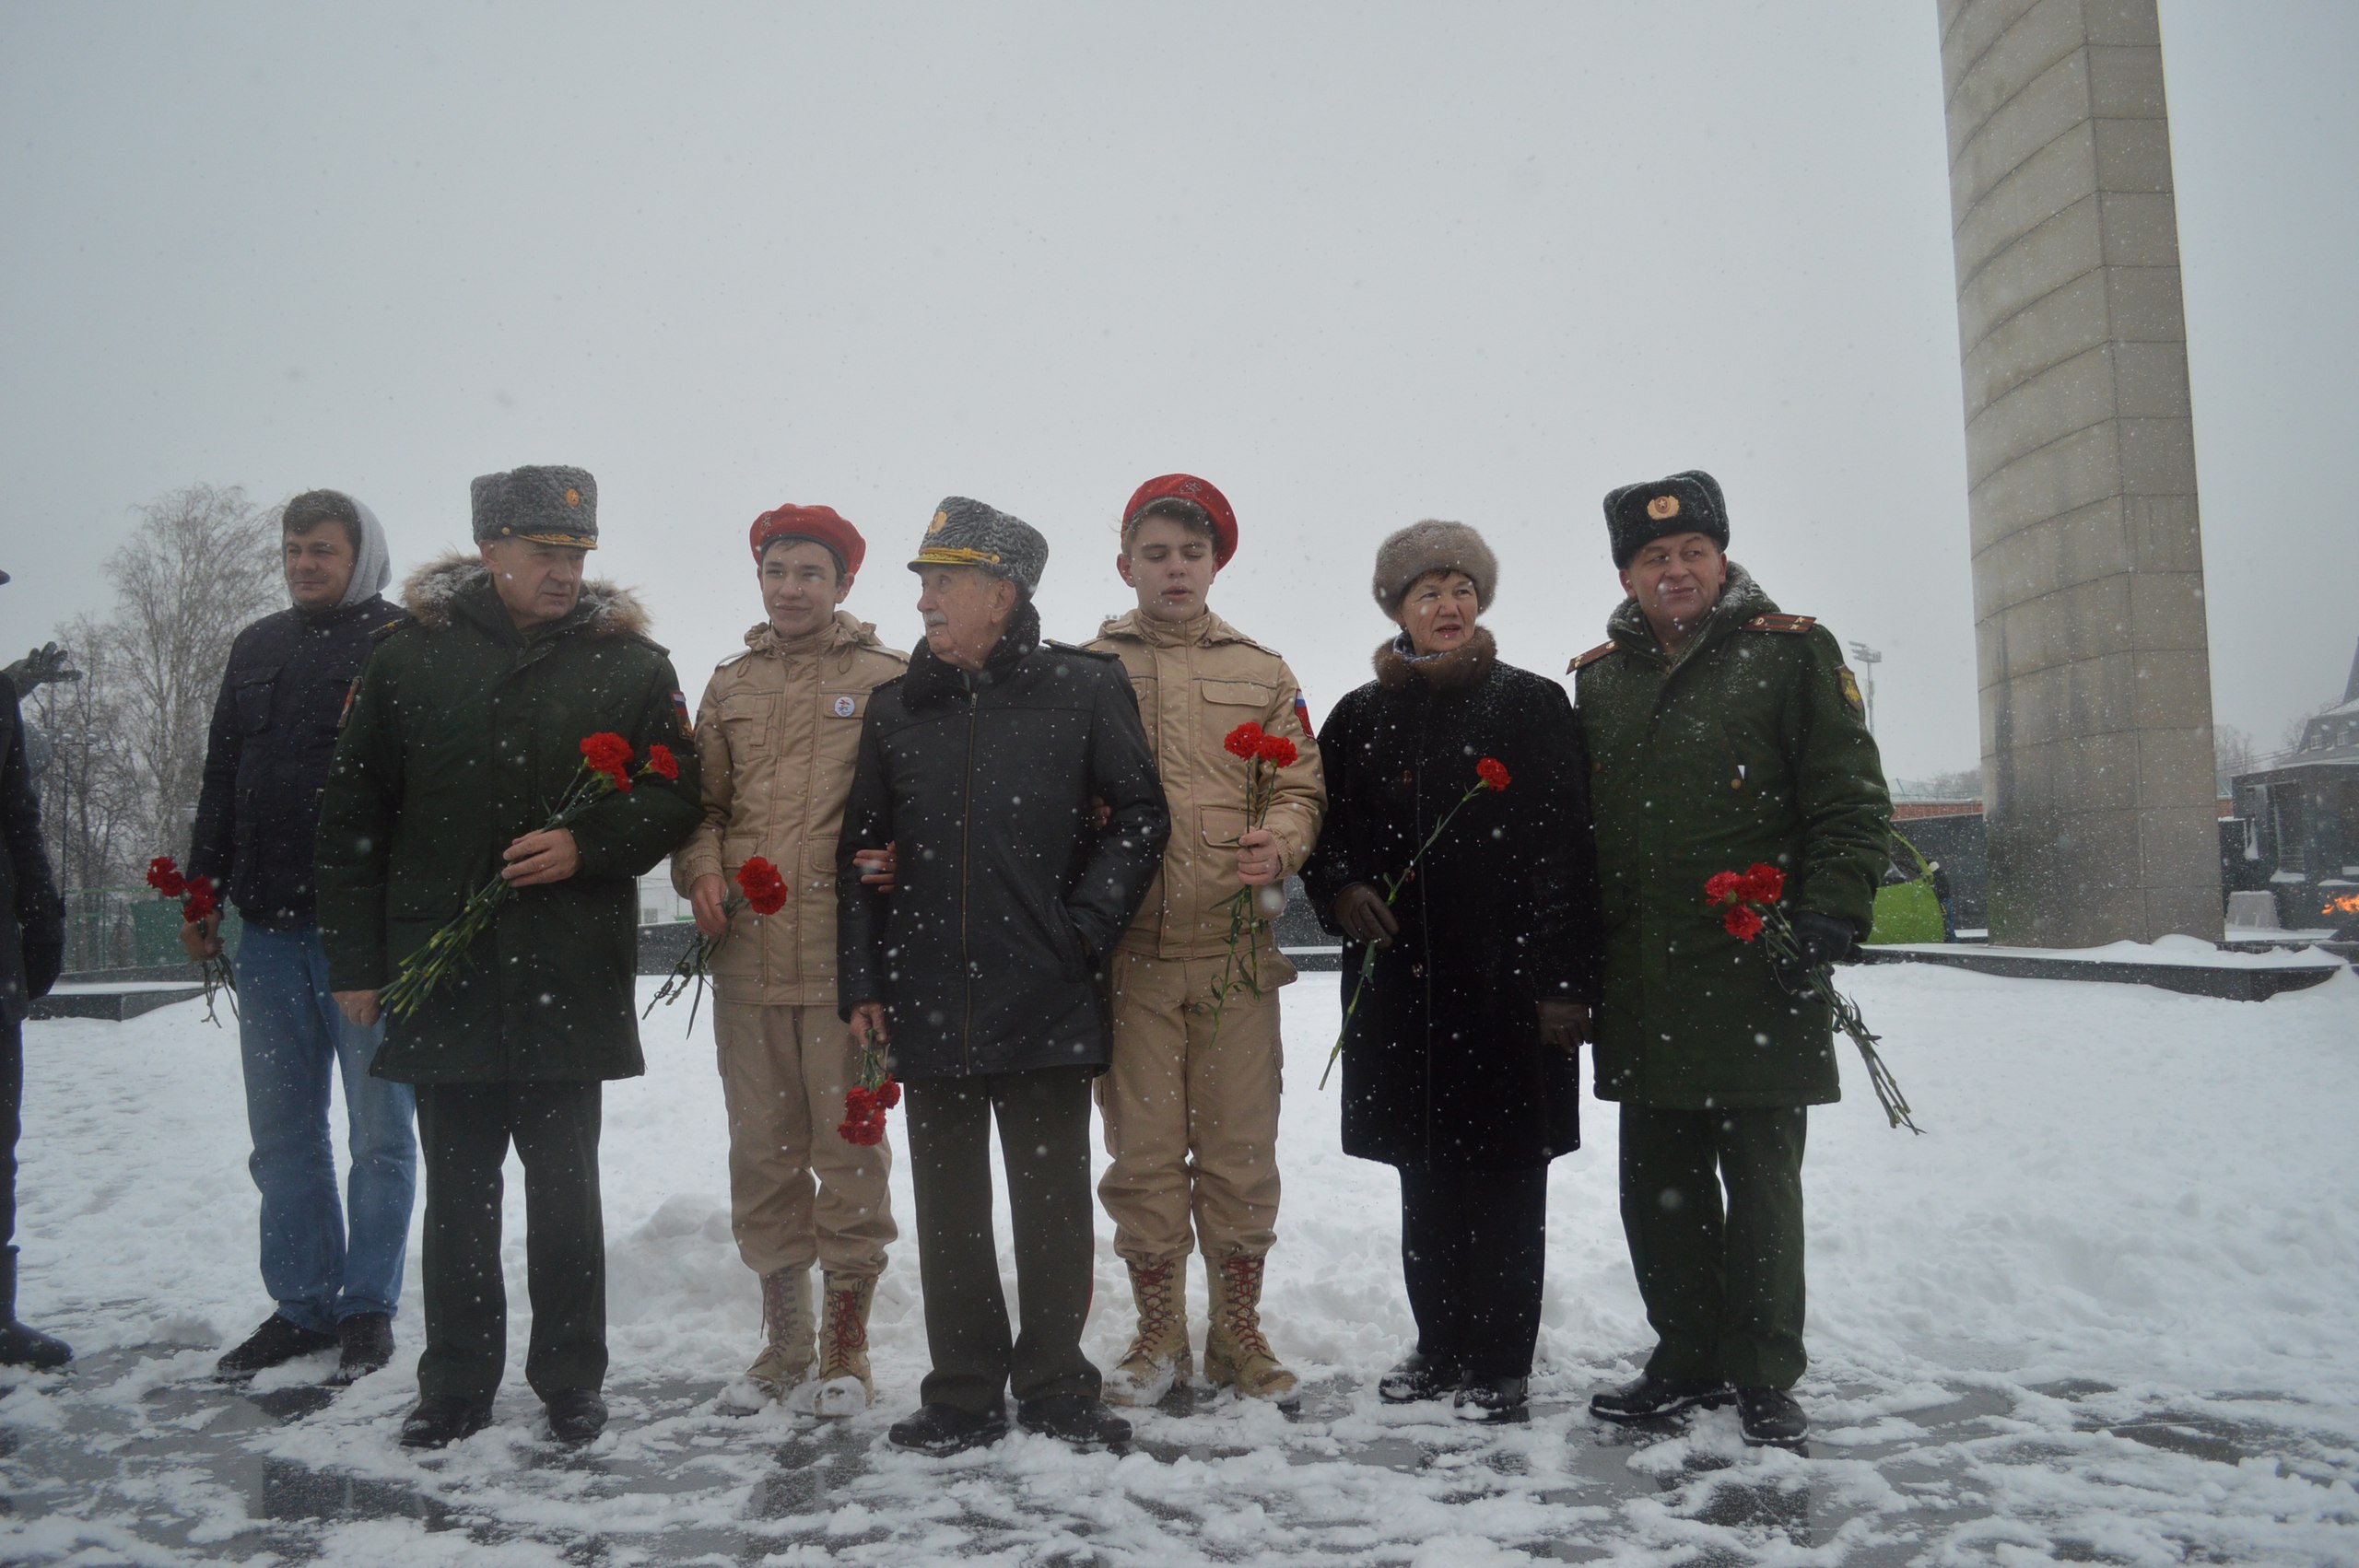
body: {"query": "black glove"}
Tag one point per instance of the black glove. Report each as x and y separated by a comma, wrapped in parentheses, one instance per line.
(1360, 909)
(43, 666)
(1823, 938)
(1563, 1024)
(42, 961)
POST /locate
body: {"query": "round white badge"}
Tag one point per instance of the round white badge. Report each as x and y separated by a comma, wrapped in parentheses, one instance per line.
(844, 706)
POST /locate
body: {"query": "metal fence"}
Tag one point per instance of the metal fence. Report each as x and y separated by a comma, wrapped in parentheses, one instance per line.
(128, 928)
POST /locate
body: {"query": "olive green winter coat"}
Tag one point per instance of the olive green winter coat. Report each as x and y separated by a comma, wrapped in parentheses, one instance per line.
(1749, 746)
(461, 734)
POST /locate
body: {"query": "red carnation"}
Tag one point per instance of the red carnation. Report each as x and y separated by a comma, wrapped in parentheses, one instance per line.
(1277, 751)
(203, 901)
(1743, 922)
(1493, 772)
(1725, 888)
(660, 760)
(865, 1127)
(165, 877)
(888, 1094)
(1763, 885)
(609, 754)
(763, 887)
(1245, 741)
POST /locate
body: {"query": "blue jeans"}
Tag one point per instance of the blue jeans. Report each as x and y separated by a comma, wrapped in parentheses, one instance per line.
(294, 1038)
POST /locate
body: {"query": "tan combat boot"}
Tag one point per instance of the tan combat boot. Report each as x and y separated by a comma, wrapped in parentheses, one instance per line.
(787, 1352)
(1234, 1352)
(1158, 1356)
(841, 1386)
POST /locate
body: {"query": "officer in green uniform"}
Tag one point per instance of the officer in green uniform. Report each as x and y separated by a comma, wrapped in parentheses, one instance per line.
(464, 729)
(1721, 733)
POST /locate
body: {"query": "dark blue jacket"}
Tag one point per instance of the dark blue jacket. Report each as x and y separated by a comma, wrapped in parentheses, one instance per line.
(266, 763)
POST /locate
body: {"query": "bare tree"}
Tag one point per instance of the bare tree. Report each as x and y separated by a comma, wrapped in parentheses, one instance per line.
(2232, 752)
(130, 739)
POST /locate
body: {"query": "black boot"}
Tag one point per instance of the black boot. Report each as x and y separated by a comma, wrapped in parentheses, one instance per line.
(1494, 1399)
(945, 1429)
(1079, 1419)
(21, 1346)
(575, 1416)
(1651, 1396)
(1418, 1377)
(1770, 1417)
(442, 1420)
(366, 1341)
(276, 1342)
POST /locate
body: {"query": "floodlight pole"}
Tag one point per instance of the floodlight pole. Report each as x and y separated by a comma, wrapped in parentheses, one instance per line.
(1869, 659)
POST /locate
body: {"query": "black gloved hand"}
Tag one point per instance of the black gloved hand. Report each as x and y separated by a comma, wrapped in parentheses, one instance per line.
(1360, 909)
(43, 666)
(1564, 1025)
(1823, 938)
(42, 961)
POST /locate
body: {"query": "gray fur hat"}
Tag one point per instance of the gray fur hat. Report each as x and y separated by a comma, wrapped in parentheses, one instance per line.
(1433, 546)
(968, 534)
(546, 503)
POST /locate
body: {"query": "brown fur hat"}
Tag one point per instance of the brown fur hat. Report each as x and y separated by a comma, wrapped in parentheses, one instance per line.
(1433, 546)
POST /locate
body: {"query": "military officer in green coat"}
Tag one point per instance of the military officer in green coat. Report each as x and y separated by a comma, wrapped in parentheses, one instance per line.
(464, 729)
(1721, 733)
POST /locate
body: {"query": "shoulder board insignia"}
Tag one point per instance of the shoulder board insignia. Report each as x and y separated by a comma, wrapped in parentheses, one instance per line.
(1075, 648)
(1782, 623)
(380, 633)
(1591, 656)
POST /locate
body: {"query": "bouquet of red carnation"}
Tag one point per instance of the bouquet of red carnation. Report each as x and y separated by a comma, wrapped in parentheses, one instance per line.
(765, 893)
(606, 769)
(1749, 904)
(866, 1102)
(1250, 908)
(199, 901)
(1490, 774)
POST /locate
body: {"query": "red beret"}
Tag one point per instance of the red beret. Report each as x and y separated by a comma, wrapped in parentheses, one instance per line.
(810, 523)
(1188, 487)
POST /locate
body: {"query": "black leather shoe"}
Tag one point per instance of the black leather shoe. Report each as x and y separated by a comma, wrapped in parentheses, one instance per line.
(1494, 1399)
(1081, 1419)
(276, 1342)
(1418, 1377)
(22, 1344)
(444, 1420)
(945, 1429)
(1770, 1417)
(366, 1339)
(1652, 1396)
(577, 1415)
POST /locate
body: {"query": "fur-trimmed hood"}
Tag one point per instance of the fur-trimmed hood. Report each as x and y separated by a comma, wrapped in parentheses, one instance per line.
(605, 609)
(1454, 670)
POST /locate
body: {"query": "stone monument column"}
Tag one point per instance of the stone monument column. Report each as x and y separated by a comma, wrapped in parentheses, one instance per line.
(2091, 656)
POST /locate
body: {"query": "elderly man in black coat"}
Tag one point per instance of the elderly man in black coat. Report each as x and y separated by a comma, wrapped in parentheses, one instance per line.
(32, 947)
(1013, 781)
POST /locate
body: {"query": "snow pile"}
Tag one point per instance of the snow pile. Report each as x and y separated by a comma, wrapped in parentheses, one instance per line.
(2103, 1311)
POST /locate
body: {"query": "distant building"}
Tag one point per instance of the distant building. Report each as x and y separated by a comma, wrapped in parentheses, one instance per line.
(2301, 814)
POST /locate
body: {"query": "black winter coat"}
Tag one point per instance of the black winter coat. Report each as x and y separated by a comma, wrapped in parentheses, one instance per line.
(32, 916)
(267, 762)
(1443, 1064)
(1007, 894)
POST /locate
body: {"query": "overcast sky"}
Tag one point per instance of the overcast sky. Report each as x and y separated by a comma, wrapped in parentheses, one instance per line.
(1355, 264)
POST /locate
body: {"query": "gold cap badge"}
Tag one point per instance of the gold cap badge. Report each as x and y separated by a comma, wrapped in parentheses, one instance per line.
(1663, 507)
(936, 525)
(572, 496)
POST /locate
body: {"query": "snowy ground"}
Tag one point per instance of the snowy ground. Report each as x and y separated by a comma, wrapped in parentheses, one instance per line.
(2104, 1312)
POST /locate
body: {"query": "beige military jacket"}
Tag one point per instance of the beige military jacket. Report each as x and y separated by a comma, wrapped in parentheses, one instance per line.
(1196, 682)
(777, 734)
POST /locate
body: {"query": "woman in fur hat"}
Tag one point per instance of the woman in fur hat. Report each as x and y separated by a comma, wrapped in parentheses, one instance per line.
(1460, 1058)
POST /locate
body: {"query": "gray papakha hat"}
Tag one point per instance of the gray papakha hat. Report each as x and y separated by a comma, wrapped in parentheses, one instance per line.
(548, 504)
(968, 534)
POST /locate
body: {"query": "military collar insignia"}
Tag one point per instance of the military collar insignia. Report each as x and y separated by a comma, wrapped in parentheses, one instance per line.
(1780, 623)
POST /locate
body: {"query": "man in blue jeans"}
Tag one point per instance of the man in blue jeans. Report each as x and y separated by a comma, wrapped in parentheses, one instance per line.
(333, 1263)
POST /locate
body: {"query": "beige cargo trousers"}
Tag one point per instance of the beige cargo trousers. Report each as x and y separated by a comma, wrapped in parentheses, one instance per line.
(798, 1192)
(1191, 1121)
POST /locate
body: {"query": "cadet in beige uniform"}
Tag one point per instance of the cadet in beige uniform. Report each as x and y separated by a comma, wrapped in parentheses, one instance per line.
(1192, 1121)
(776, 733)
